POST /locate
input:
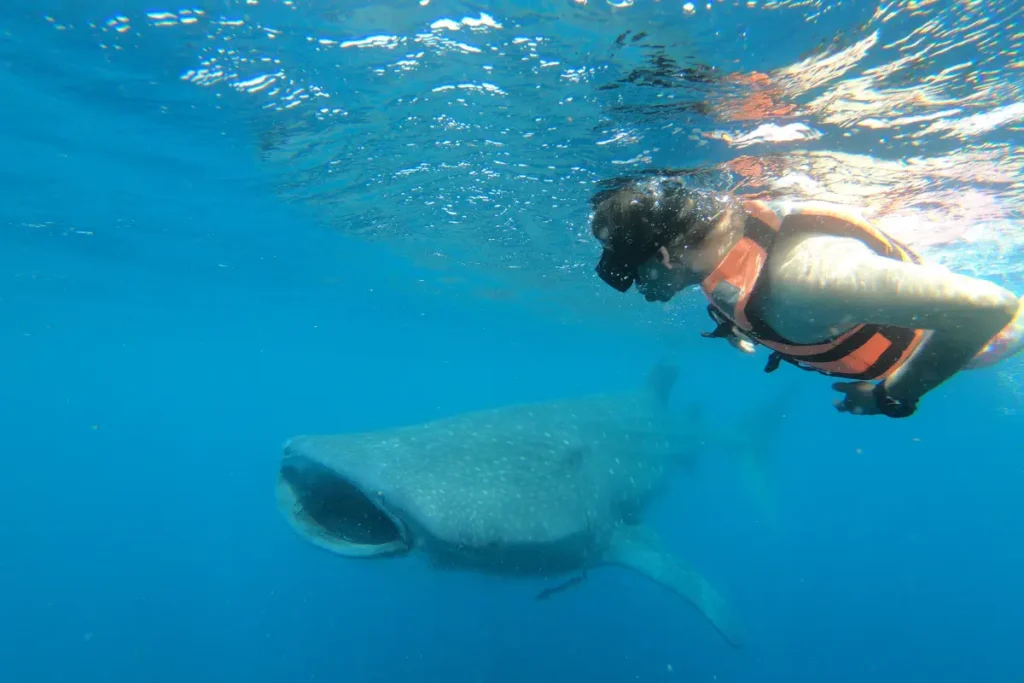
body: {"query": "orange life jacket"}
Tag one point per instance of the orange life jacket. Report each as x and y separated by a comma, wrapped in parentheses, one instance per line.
(866, 352)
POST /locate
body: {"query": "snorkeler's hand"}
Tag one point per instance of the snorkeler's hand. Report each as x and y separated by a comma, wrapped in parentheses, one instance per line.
(859, 398)
(866, 398)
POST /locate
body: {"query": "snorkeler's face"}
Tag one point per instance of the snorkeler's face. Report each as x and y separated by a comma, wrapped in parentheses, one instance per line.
(662, 276)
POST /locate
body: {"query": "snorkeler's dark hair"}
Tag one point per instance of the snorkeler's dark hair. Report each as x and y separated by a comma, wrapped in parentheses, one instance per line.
(636, 219)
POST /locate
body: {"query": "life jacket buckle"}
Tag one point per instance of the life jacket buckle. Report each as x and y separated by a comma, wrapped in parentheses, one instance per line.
(721, 330)
(723, 326)
(726, 329)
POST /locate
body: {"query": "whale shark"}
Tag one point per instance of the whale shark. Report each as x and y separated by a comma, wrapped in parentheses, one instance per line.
(529, 490)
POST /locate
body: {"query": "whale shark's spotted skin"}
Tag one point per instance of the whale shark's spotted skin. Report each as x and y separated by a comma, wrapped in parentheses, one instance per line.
(539, 489)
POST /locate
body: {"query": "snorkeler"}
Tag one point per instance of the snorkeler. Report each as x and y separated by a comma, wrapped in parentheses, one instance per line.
(821, 289)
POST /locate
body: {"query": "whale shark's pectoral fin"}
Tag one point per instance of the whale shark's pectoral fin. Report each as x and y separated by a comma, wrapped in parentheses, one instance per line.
(565, 585)
(638, 549)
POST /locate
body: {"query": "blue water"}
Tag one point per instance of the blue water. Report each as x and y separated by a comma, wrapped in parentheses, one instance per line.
(173, 313)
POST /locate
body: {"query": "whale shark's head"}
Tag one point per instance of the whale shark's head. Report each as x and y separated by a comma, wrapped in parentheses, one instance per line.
(332, 502)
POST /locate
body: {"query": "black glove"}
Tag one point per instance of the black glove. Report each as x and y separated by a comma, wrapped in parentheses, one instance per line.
(865, 398)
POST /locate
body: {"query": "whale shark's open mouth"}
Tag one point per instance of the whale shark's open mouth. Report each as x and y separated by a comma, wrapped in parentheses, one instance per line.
(335, 514)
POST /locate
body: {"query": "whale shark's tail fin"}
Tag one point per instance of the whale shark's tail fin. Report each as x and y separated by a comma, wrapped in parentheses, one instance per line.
(662, 379)
(753, 446)
(639, 549)
(750, 440)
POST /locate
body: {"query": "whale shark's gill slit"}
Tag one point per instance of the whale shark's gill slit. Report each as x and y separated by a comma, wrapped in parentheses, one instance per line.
(338, 508)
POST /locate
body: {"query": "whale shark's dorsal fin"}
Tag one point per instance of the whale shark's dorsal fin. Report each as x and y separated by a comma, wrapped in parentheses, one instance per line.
(638, 548)
(662, 379)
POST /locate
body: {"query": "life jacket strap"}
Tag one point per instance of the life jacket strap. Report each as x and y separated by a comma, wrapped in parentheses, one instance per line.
(776, 358)
(723, 326)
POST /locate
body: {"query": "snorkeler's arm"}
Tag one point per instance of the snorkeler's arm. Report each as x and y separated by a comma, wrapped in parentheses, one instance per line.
(963, 313)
